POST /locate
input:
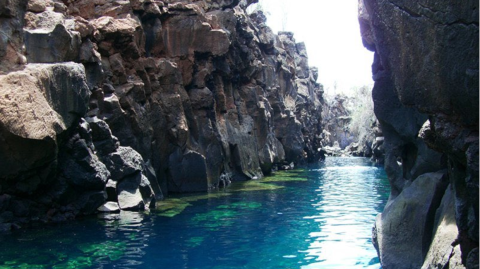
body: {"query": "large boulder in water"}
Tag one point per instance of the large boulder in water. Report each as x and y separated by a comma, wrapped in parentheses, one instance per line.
(409, 218)
(129, 195)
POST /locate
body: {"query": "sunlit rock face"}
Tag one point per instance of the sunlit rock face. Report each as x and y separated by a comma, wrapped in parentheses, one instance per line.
(336, 119)
(426, 99)
(107, 102)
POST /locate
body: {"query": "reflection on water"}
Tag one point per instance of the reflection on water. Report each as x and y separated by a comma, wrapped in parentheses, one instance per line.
(311, 218)
(347, 198)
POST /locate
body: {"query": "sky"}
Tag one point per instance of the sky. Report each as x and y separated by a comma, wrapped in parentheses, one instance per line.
(331, 34)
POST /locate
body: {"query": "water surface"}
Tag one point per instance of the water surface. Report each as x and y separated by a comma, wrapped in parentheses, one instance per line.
(319, 217)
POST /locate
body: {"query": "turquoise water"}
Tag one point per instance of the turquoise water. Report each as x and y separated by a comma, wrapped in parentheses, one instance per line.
(308, 218)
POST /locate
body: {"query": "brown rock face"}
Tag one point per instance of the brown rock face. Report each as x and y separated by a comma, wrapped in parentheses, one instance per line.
(164, 96)
(426, 99)
(210, 89)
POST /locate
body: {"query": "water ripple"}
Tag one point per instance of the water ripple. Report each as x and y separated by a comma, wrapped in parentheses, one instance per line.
(322, 222)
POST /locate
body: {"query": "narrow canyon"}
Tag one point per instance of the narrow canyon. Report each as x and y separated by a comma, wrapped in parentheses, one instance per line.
(110, 105)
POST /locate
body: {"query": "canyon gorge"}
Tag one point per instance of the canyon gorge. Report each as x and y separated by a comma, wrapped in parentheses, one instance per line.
(112, 105)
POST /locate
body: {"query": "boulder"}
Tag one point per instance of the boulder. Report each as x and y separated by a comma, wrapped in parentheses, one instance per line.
(88, 173)
(129, 195)
(57, 45)
(442, 249)
(43, 22)
(38, 6)
(100, 129)
(107, 25)
(124, 162)
(109, 207)
(31, 120)
(58, 94)
(403, 229)
(84, 27)
(147, 192)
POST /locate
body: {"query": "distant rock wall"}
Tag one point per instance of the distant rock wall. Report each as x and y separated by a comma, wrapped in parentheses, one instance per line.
(336, 115)
(125, 101)
(426, 98)
(349, 127)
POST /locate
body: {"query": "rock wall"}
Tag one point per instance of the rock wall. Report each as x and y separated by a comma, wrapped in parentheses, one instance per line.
(336, 115)
(117, 103)
(426, 99)
(350, 128)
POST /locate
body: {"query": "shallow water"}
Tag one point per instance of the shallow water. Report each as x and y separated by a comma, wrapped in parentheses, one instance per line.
(308, 218)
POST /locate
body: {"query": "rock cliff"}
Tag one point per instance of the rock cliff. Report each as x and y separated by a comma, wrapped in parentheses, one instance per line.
(349, 126)
(336, 115)
(426, 99)
(117, 103)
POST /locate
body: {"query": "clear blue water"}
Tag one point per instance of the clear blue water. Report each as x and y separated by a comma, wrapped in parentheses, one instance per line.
(309, 218)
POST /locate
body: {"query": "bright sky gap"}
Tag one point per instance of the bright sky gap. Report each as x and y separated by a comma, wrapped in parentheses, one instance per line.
(331, 33)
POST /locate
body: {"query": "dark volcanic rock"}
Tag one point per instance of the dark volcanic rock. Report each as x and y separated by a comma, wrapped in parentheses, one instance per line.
(88, 202)
(59, 45)
(37, 104)
(426, 74)
(124, 162)
(445, 233)
(12, 38)
(243, 99)
(188, 172)
(85, 172)
(406, 155)
(409, 217)
(166, 96)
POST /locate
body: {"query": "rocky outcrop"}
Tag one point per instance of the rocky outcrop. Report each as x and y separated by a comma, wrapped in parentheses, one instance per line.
(206, 90)
(426, 99)
(336, 115)
(409, 218)
(108, 105)
(349, 127)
